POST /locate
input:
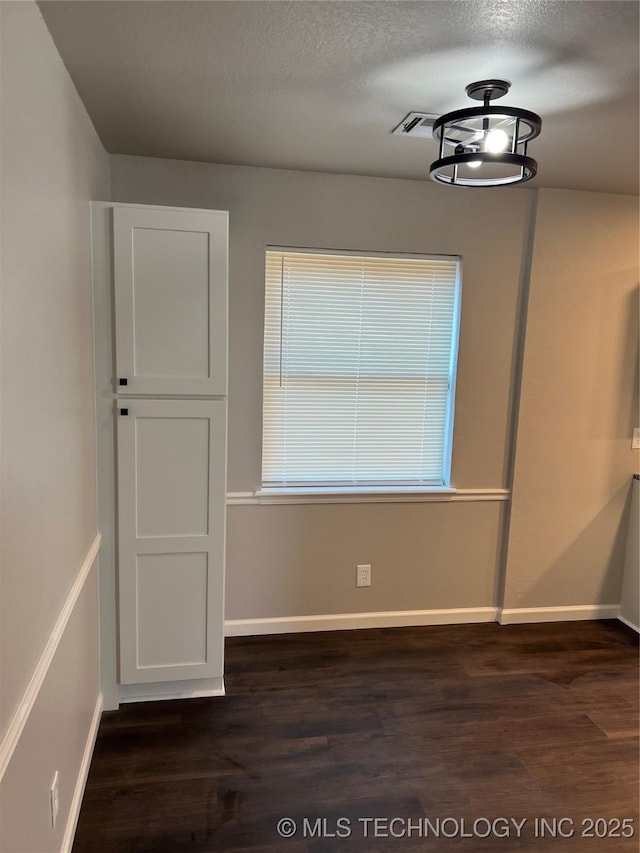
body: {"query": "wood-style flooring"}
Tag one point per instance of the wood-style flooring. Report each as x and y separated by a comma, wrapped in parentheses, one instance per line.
(459, 726)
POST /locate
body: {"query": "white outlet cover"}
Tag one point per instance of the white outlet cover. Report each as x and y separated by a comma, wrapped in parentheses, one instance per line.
(635, 444)
(363, 575)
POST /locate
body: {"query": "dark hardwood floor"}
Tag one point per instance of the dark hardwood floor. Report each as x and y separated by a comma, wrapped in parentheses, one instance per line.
(444, 728)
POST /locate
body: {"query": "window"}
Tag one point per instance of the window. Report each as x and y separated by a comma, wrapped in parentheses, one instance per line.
(359, 369)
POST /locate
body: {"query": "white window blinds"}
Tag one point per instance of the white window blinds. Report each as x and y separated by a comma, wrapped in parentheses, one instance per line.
(359, 368)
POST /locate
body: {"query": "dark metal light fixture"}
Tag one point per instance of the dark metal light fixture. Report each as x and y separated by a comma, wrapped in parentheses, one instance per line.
(485, 146)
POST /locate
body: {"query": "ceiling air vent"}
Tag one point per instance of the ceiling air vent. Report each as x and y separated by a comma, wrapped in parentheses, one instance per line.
(416, 124)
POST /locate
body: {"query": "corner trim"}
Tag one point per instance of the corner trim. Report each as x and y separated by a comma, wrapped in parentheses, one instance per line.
(347, 497)
(629, 623)
(521, 615)
(350, 621)
(24, 709)
(83, 773)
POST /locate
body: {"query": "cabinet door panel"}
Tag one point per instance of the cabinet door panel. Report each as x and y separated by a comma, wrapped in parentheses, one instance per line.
(170, 272)
(171, 609)
(172, 477)
(171, 520)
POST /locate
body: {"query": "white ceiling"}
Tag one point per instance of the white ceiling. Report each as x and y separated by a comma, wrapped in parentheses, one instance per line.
(320, 85)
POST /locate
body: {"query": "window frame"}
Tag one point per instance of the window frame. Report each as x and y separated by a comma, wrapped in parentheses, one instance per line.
(392, 491)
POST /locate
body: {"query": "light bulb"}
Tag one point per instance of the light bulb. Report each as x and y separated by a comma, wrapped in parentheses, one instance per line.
(496, 141)
(473, 164)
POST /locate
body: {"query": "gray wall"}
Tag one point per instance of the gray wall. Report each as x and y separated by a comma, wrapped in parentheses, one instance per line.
(51, 164)
(270, 206)
(579, 404)
(300, 560)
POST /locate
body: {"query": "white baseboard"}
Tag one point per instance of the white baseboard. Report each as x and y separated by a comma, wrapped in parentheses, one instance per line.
(76, 802)
(520, 615)
(157, 690)
(409, 618)
(629, 623)
(349, 621)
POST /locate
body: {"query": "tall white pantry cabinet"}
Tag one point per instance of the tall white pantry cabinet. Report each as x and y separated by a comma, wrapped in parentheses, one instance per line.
(160, 317)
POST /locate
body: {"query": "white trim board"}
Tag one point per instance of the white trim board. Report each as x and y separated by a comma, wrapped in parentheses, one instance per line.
(24, 709)
(521, 615)
(629, 623)
(349, 621)
(191, 688)
(409, 618)
(83, 773)
(391, 496)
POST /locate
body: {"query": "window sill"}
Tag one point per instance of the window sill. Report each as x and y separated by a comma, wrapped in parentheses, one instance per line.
(400, 494)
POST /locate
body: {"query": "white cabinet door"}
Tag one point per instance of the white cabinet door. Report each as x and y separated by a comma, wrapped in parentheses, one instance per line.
(171, 526)
(170, 276)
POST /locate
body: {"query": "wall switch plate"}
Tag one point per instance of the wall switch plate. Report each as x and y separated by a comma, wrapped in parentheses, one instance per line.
(635, 444)
(363, 575)
(54, 798)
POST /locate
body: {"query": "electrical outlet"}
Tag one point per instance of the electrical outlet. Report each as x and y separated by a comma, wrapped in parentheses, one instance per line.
(635, 444)
(54, 799)
(363, 575)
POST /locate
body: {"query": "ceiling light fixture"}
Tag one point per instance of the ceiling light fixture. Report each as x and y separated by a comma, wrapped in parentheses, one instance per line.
(493, 138)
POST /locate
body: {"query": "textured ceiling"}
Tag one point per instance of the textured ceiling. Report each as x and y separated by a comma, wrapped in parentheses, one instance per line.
(319, 85)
